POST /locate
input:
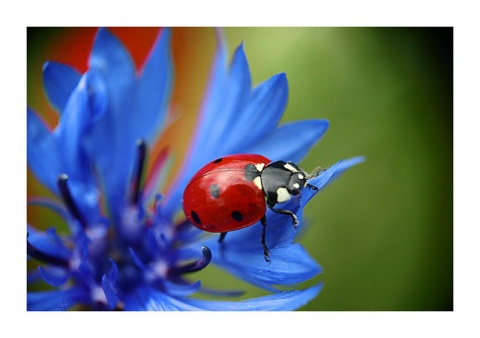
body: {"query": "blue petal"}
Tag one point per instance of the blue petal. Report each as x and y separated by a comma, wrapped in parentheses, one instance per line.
(291, 141)
(56, 300)
(328, 176)
(282, 301)
(267, 104)
(112, 275)
(154, 89)
(86, 105)
(110, 294)
(241, 252)
(43, 155)
(259, 117)
(288, 264)
(111, 59)
(224, 104)
(319, 182)
(54, 277)
(49, 243)
(137, 261)
(145, 298)
(59, 80)
(346, 164)
(177, 290)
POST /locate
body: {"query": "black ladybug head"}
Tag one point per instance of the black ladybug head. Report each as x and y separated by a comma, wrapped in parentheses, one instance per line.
(297, 183)
(281, 180)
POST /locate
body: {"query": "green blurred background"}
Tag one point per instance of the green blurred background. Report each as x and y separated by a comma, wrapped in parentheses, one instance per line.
(383, 232)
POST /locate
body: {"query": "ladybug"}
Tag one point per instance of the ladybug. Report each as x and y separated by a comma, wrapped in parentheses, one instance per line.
(233, 192)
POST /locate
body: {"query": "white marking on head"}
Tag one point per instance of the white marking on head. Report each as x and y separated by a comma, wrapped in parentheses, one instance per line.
(300, 177)
(260, 166)
(290, 167)
(296, 185)
(258, 182)
(283, 195)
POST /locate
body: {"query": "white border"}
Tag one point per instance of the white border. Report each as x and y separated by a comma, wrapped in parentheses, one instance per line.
(463, 15)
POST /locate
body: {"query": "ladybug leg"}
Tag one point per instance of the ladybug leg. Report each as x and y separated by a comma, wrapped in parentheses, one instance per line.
(220, 241)
(285, 212)
(265, 249)
(222, 237)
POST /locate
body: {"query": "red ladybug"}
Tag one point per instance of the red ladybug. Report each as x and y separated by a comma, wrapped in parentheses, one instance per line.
(232, 193)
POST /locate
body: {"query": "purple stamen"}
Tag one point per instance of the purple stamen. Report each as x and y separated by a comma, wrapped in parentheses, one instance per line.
(194, 266)
(68, 199)
(137, 177)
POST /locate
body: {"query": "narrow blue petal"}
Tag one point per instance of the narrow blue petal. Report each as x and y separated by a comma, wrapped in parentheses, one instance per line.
(225, 104)
(345, 165)
(260, 116)
(178, 290)
(137, 261)
(56, 300)
(154, 89)
(113, 272)
(49, 243)
(147, 299)
(86, 272)
(113, 140)
(282, 301)
(110, 294)
(43, 155)
(267, 104)
(111, 59)
(291, 141)
(59, 80)
(86, 105)
(54, 277)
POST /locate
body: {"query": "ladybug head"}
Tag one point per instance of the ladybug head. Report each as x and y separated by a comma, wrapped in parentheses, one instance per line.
(297, 182)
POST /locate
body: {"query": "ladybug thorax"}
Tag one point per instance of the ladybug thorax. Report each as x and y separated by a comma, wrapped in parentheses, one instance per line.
(281, 180)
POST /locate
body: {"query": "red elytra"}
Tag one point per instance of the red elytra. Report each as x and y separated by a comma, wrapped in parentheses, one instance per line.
(223, 197)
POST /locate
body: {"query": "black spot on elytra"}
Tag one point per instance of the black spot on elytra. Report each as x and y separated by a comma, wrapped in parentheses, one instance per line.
(195, 217)
(218, 160)
(214, 190)
(251, 172)
(237, 215)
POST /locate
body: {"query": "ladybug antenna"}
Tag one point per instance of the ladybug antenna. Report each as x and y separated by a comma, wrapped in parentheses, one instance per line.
(315, 172)
(196, 265)
(137, 175)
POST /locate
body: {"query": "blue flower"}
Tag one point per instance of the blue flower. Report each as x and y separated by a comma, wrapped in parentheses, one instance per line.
(127, 248)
